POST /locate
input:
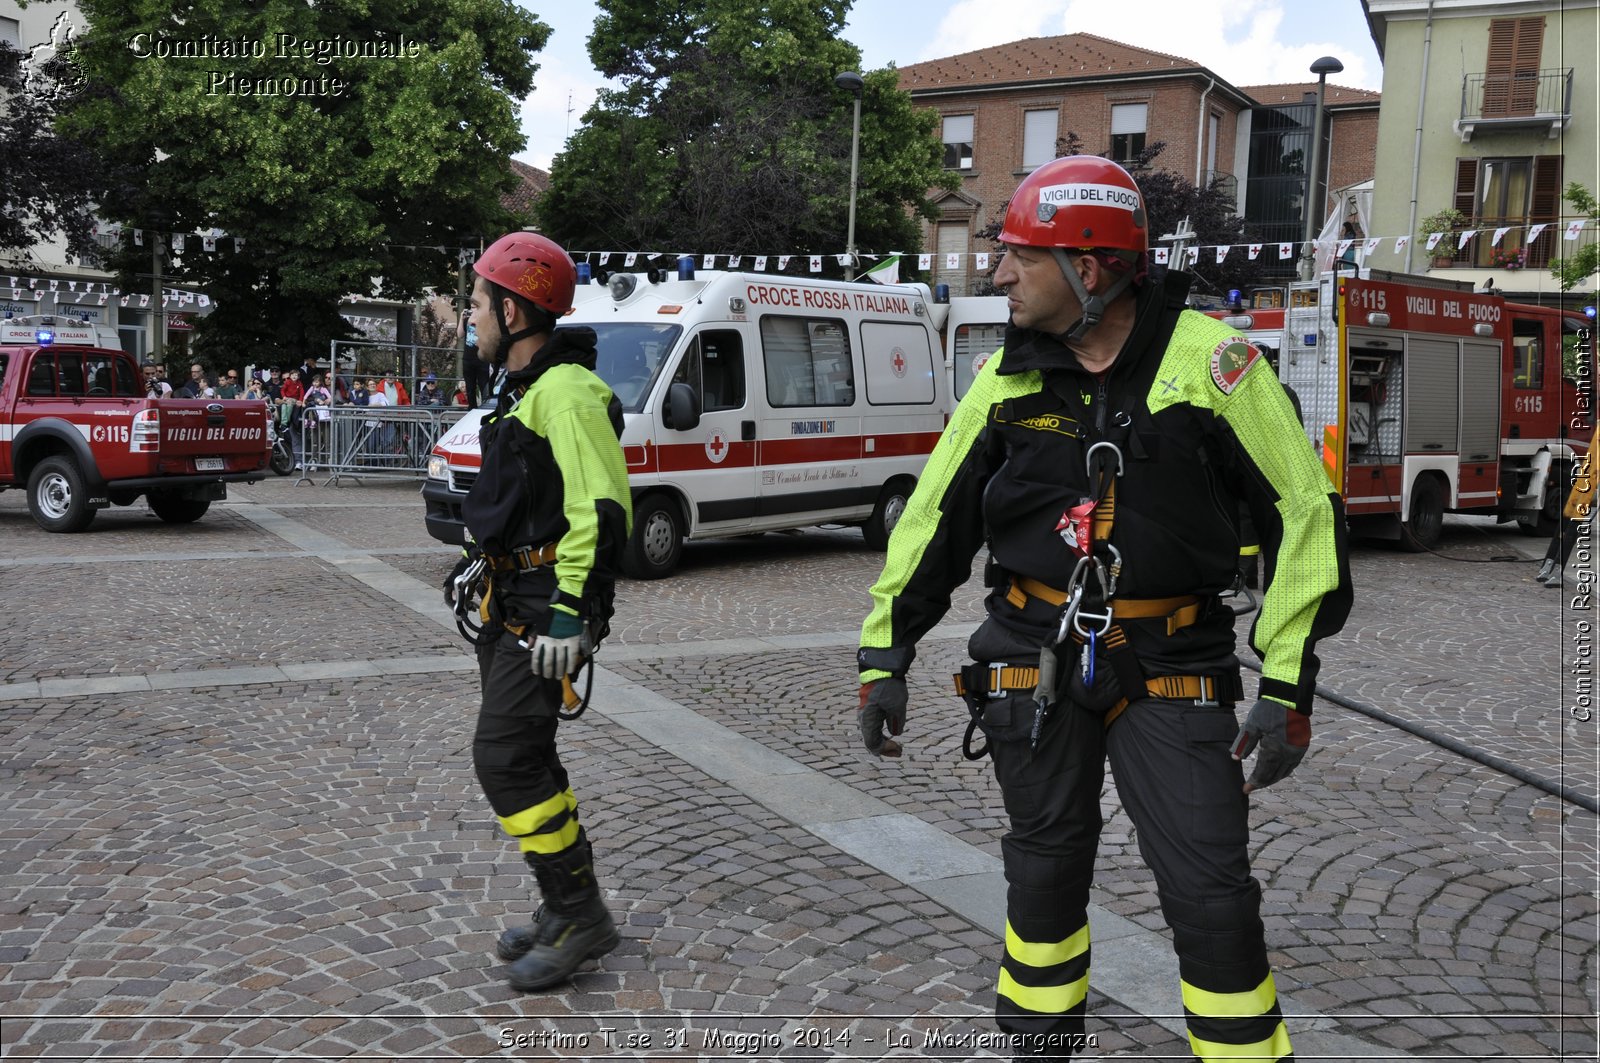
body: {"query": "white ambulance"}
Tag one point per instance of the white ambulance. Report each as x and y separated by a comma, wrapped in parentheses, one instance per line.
(752, 403)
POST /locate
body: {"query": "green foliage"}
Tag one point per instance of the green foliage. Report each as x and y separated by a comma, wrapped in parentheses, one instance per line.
(1573, 271)
(728, 134)
(49, 181)
(326, 192)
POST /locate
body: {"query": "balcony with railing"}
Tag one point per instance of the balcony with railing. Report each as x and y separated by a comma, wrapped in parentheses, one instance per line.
(1523, 100)
(1513, 253)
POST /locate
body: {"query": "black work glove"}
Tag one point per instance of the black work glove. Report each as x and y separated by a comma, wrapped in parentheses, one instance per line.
(883, 701)
(1284, 734)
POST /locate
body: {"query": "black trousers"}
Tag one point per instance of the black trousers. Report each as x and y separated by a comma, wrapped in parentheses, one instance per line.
(514, 751)
(1184, 794)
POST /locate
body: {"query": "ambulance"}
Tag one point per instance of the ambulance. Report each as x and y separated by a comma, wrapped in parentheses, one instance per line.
(752, 403)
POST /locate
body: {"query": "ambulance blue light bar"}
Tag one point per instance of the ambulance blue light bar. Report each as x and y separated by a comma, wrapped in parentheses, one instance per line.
(44, 337)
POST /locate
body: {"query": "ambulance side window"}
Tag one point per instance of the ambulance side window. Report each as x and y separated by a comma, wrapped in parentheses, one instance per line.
(714, 366)
(807, 362)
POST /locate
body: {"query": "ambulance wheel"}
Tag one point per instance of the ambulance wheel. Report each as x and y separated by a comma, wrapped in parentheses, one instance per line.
(175, 509)
(656, 545)
(886, 514)
(57, 497)
(1426, 520)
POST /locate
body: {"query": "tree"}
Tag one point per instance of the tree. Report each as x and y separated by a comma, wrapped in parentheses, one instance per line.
(1573, 271)
(49, 181)
(1168, 199)
(343, 149)
(728, 134)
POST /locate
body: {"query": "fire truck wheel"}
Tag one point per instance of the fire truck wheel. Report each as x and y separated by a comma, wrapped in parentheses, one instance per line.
(175, 509)
(886, 514)
(656, 545)
(1426, 521)
(57, 497)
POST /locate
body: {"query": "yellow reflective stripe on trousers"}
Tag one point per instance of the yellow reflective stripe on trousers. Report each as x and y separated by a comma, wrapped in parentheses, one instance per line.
(524, 826)
(1045, 999)
(1046, 953)
(1274, 1047)
(1251, 1004)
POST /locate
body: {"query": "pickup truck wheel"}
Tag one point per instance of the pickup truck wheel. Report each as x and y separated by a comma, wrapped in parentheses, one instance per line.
(656, 545)
(57, 497)
(175, 509)
(886, 514)
(1426, 524)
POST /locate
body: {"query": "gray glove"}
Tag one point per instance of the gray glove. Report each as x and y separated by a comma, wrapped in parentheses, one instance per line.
(1284, 735)
(883, 701)
(556, 653)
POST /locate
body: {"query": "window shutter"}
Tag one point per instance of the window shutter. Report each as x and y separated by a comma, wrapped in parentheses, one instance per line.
(1544, 205)
(1466, 201)
(1511, 73)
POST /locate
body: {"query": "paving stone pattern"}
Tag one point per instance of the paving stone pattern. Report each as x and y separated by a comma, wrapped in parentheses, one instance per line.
(307, 870)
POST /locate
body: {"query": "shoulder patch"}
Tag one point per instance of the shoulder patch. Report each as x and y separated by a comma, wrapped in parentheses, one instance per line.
(1229, 361)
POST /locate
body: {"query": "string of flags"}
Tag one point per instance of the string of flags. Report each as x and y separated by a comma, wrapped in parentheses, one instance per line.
(1283, 251)
(98, 293)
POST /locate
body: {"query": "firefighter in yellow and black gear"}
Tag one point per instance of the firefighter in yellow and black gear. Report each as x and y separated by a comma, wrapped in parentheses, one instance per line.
(1101, 455)
(549, 513)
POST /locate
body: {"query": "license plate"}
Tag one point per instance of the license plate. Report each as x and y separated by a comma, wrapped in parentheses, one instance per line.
(209, 465)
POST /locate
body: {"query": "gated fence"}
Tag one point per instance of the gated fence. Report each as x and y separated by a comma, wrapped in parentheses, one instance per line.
(371, 441)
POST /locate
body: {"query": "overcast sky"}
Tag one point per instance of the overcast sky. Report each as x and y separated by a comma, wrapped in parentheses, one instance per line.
(1247, 42)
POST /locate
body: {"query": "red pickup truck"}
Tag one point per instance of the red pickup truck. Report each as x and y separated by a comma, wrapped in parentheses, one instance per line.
(79, 433)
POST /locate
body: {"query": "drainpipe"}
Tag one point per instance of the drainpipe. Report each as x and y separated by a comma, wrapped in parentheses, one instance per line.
(1416, 147)
(1200, 136)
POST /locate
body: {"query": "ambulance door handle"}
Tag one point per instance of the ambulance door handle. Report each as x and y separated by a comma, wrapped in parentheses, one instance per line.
(747, 431)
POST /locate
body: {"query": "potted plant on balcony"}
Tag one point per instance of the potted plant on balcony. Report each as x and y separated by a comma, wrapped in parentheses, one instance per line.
(1447, 221)
(1508, 258)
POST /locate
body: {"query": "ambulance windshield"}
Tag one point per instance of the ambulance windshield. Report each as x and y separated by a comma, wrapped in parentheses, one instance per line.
(630, 356)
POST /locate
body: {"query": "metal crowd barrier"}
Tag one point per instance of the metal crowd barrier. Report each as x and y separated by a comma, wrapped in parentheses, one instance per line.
(371, 441)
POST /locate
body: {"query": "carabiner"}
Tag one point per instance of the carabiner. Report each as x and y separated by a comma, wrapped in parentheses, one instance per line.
(1088, 457)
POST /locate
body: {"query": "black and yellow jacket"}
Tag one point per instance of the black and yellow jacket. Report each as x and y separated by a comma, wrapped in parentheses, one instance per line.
(1202, 424)
(553, 473)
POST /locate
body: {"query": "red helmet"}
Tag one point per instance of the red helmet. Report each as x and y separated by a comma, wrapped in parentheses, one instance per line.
(532, 266)
(1077, 201)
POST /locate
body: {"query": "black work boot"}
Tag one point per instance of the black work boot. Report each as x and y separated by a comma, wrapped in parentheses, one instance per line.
(515, 942)
(571, 926)
(561, 942)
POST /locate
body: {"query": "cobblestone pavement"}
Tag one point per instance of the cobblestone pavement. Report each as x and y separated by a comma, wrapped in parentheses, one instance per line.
(221, 861)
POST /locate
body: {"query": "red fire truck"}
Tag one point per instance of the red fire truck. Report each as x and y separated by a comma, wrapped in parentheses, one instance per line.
(1424, 396)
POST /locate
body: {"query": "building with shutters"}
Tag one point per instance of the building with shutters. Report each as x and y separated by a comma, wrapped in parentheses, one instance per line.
(1489, 108)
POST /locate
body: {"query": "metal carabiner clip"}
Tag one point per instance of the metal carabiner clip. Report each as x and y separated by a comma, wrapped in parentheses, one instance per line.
(1069, 615)
(1088, 457)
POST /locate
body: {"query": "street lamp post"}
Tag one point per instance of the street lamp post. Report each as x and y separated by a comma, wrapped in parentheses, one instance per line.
(1314, 190)
(852, 82)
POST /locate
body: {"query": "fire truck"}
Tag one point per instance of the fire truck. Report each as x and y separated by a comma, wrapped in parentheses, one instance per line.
(1424, 397)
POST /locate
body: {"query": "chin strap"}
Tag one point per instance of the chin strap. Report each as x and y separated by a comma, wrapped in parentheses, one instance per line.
(1094, 306)
(502, 349)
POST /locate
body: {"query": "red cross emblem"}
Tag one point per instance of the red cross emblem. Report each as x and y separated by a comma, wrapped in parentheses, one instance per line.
(897, 361)
(716, 448)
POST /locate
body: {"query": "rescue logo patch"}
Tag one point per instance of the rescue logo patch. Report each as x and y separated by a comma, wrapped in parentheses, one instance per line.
(897, 362)
(1051, 422)
(1229, 361)
(717, 446)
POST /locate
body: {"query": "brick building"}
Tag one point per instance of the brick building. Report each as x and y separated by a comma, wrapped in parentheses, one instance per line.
(1004, 110)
